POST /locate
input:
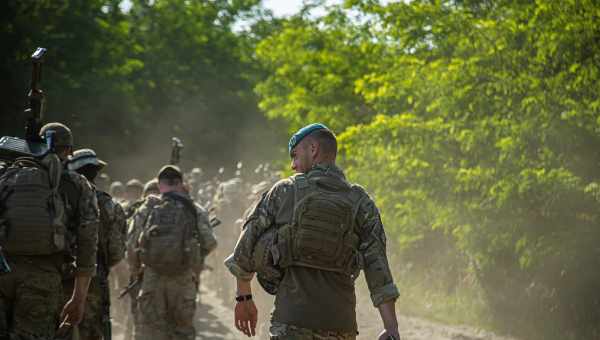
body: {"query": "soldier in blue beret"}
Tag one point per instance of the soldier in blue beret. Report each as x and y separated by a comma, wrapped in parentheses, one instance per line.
(307, 240)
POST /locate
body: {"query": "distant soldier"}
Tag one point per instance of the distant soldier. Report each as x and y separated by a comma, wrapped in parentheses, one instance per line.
(151, 188)
(43, 207)
(174, 237)
(195, 182)
(133, 192)
(117, 191)
(103, 182)
(133, 198)
(229, 205)
(307, 240)
(205, 195)
(111, 248)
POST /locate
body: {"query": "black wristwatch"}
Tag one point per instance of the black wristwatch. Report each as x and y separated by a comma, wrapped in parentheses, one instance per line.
(241, 298)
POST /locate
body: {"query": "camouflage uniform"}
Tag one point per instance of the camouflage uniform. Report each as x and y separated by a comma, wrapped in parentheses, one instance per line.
(111, 250)
(280, 331)
(313, 303)
(31, 294)
(166, 303)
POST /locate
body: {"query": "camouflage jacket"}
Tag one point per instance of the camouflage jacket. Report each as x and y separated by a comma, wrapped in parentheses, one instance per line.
(275, 209)
(82, 220)
(113, 229)
(137, 223)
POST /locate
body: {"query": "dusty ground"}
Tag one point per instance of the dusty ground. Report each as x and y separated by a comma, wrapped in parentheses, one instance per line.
(215, 322)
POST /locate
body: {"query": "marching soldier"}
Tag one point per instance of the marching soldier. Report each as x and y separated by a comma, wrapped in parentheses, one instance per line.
(327, 230)
(172, 236)
(111, 249)
(45, 206)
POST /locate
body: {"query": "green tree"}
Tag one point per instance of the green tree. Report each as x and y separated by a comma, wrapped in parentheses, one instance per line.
(482, 132)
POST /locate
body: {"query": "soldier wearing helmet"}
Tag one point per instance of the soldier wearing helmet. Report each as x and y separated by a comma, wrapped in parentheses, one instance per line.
(39, 241)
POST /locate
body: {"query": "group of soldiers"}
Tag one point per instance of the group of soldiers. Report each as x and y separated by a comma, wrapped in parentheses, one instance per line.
(61, 235)
(224, 197)
(305, 238)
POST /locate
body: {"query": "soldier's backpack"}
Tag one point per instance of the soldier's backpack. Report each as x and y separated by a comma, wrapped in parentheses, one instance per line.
(168, 243)
(322, 234)
(32, 212)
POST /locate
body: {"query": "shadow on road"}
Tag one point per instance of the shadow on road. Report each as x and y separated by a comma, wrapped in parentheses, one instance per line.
(213, 320)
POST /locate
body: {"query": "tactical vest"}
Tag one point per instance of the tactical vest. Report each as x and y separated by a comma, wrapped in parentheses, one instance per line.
(32, 212)
(322, 234)
(168, 243)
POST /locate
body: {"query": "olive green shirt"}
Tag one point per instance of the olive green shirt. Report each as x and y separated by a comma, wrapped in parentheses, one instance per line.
(313, 298)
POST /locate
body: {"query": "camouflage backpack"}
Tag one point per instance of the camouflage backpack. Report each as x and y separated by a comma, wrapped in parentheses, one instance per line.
(322, 234)
(168, 243)
(32, 212)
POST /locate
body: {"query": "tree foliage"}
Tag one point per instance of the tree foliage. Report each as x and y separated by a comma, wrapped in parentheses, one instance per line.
(128, 80)
(474, 123)
(482, 126)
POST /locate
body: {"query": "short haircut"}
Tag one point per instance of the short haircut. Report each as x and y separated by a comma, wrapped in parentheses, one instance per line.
(327, 141)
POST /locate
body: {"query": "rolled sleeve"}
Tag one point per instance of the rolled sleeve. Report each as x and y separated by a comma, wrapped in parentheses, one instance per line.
(87, 231)
(385, 293)
(236, 270)
(373, 252)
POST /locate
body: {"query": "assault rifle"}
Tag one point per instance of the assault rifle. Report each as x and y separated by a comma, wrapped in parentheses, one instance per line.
(33, 145)
(176, 147)
(129, 288)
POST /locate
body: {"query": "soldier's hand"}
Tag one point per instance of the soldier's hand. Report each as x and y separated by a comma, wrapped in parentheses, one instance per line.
(246, 316)
(72, 313)
(389, 335)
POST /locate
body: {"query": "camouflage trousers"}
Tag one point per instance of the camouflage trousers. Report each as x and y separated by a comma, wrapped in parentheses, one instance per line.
(90, 327)
(30, 295)
(166, 307)
(280, 331)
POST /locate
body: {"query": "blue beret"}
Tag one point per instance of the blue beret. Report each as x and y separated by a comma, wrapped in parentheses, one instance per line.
(305, 131)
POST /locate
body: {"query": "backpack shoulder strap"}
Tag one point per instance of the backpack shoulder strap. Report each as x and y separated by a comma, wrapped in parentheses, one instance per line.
(301, 186)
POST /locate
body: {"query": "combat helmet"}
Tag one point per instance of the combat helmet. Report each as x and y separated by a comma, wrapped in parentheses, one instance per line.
(62, 134)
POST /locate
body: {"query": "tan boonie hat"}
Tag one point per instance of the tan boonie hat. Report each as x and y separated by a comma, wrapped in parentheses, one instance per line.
(83, 157)
(62, 134)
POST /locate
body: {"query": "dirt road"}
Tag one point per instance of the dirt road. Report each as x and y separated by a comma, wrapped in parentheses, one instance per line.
(214, 321)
